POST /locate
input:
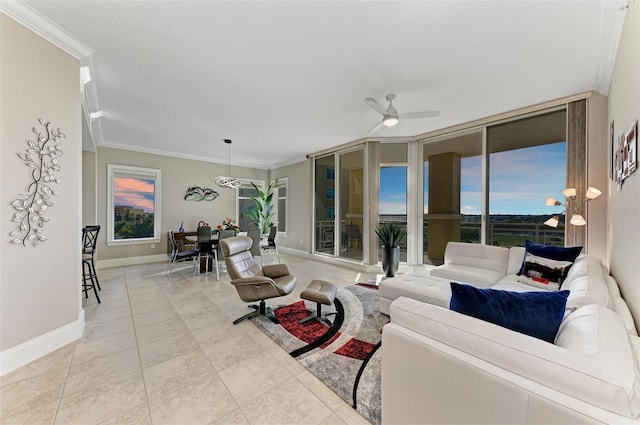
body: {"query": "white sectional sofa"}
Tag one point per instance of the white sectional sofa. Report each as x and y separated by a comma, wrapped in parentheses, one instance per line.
(440, 366)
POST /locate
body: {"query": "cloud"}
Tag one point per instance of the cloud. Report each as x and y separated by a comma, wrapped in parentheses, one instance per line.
(392, 207)
(129, 184)
(136, 200)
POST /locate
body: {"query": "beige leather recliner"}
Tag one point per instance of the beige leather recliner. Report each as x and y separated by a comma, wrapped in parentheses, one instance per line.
(252, 281)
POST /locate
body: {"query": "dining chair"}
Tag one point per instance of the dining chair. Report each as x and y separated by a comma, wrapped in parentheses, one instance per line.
(89, 242)
(222, 234)
(271, 243)
(254, 234)
(177, 255)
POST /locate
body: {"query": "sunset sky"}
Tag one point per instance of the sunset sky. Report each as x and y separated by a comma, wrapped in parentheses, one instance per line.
(520, 181)
(134, 192)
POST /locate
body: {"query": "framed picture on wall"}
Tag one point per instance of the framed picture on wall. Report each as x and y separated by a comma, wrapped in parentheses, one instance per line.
(631, 143)
(612, 151)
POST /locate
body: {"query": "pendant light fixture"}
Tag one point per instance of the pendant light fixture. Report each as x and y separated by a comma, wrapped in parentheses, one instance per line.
(228, 181)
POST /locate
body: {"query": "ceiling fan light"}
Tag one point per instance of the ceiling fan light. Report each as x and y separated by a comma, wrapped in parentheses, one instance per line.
(593, 193)
(553, 221)
(578, 220)
(390, 121)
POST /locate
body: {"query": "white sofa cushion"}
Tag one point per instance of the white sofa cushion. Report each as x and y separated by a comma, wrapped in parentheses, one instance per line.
(481, 278)
(622, 309)
(586, 283)
(612, 285)
(475, 255)
(590, 378)
(516, 257)
(417, 286)
(599, 334)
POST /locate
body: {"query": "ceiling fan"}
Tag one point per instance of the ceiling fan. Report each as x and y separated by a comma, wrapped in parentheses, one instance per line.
(390, 116)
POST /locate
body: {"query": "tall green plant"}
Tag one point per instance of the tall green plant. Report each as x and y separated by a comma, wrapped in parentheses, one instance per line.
(390, 234)
(262, 213)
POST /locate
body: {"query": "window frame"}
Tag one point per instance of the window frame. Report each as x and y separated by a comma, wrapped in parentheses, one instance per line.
(246, 184)
(114, 170)
(282, 182)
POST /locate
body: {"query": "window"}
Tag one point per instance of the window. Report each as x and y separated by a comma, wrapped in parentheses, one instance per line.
(133, 214)
(331, 173)
(331, 193)
(245, 203)
(281, 205)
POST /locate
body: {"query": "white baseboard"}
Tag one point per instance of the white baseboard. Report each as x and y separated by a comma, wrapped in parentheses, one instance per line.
(20, 355)
(130, 261)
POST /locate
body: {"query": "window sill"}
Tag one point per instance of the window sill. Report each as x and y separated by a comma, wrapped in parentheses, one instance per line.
(121, 242)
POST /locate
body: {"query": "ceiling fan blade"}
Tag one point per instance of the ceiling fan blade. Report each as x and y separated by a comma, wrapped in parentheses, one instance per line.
(375, 105)
(375, 128)
(424, 114)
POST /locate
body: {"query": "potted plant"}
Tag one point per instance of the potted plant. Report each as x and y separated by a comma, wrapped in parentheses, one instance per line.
(262, 213)
(229, 224)
(390, 236)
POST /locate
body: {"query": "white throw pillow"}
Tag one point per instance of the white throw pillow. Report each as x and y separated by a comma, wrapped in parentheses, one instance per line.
(543, 272)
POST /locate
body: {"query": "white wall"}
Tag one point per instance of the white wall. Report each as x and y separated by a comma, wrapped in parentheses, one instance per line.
(40, 305)
(624, 205)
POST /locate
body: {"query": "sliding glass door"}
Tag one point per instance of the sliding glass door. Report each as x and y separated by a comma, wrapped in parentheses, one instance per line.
(452, 193)
(527, 163)
(351, 204)
(325, 205)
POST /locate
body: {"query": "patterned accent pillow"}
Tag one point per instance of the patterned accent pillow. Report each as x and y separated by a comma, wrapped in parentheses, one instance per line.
(543, 272)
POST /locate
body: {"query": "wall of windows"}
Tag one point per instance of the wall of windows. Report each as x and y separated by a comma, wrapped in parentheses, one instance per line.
(479, 184)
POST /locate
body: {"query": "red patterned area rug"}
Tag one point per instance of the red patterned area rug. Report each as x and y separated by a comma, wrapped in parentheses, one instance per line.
(347, 356)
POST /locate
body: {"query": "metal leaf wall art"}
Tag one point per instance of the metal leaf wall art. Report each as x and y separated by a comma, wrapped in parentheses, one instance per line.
(31, 206)
(196, 193)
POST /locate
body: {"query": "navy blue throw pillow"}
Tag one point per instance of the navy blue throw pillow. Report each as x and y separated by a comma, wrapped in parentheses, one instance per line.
(558, 253)
(536, 314)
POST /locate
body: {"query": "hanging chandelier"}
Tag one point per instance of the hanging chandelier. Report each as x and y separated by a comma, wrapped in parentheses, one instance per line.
(228, 181)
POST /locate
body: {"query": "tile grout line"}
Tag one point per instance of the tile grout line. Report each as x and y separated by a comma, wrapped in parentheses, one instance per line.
(135, 335)
(208, 360)
(64, 382)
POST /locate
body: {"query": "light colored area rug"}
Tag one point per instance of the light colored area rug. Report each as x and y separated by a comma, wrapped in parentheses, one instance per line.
(346, 357)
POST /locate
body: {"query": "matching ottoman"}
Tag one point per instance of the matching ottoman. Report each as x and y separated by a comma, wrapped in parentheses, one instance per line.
(320, 292)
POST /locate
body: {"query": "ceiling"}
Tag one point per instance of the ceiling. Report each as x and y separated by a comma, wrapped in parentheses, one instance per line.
(287, 79)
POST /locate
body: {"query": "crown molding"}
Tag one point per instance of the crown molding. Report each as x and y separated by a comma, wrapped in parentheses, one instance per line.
(612, 15)
(24, 14)
(106, 144)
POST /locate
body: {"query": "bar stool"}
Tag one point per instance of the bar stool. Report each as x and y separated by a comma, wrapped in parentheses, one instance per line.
(89, 242)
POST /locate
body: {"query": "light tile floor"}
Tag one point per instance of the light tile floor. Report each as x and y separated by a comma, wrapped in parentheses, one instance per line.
(163, 350)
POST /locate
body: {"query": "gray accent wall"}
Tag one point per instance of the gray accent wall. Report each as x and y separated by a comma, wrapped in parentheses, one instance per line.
(300, 213)
(623, 209)
(176, 175)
